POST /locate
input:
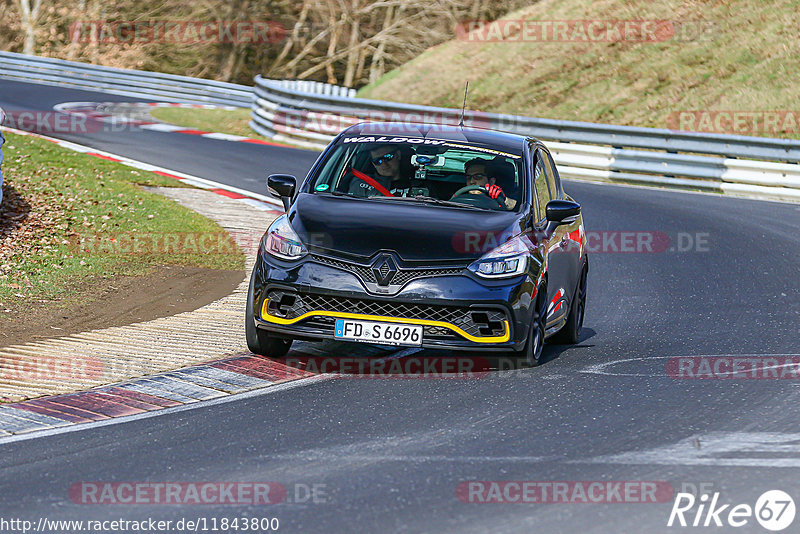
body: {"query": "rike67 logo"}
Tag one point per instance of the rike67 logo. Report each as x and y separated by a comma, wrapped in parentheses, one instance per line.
(774, 510)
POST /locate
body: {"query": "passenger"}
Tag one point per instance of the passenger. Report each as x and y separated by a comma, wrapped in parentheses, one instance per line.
(392, 171)
(477, 174)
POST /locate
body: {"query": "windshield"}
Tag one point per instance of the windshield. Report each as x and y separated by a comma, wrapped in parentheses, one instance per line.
(429, 171)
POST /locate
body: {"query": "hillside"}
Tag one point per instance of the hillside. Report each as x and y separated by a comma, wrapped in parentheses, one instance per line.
(736, 55)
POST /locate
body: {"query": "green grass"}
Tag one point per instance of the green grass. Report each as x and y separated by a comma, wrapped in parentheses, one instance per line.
(73, 197)
(747, 58)
(235, 122)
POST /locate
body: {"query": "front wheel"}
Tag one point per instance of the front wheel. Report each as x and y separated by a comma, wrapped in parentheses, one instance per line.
(536, 331)
(259, 341)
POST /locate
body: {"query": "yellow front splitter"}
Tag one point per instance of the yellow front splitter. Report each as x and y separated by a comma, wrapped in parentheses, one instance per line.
(265, 316)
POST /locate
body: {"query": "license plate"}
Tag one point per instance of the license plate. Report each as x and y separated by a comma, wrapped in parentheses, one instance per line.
(381, 333)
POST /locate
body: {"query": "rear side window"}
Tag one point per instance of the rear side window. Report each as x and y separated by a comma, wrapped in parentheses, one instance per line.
(540, 186)
(550, 172)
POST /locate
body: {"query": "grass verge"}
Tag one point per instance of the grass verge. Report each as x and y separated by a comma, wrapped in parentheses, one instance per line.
(56, 201)
(234, 122)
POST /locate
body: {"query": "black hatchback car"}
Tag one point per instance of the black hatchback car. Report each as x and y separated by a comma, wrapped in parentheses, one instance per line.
(422, 235)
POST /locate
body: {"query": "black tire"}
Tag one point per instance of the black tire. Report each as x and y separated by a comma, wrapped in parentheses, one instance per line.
(570, 333)
(258, 341)
(536, 332)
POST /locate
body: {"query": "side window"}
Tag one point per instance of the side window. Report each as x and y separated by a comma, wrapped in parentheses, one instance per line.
(332, 171)
(540, 186)
(549, 170)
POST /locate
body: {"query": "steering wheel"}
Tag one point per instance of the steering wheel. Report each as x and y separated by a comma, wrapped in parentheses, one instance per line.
(368, 180)
(468, 188)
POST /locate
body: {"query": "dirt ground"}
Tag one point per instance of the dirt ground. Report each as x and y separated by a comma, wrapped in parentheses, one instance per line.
(119, 301)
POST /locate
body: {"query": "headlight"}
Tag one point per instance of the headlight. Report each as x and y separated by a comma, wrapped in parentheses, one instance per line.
(282, 242)
(508, 260)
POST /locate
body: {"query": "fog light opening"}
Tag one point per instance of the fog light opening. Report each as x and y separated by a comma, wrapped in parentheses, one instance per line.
(280, 307)
(487, 327)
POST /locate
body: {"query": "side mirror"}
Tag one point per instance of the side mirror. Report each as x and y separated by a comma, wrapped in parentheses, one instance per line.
(562, 211)
(282, 186)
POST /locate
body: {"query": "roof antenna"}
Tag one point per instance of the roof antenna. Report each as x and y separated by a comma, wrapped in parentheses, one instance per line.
(464, 107)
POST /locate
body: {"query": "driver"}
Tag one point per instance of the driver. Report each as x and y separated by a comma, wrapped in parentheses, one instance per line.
(392, 168)
(477, 175)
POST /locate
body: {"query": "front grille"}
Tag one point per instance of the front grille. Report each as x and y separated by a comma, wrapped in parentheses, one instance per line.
(364, 272)
(403, 276)
(439, 332)
(476, 322)
(321, 321)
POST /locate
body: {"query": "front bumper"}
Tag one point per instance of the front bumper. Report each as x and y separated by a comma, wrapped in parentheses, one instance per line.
(457, 311)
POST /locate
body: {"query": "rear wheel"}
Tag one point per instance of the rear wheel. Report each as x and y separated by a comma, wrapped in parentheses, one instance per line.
(570, 333)
(259, 341)
(536, 332)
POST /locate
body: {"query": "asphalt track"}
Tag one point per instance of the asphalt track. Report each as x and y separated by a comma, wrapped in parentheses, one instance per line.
(389, 454)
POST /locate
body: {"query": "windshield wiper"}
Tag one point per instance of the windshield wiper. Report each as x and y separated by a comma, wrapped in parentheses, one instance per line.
(340, 194)
(431, 200)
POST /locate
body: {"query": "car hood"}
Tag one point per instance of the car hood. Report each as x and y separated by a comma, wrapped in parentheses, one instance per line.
(416, 232)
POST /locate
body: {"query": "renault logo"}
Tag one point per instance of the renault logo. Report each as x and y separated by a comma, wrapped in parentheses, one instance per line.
(384, 268)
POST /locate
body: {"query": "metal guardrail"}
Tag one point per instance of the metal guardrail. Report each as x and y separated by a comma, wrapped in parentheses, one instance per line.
(736, 165)
(317, 88)
(145, 84)
(126, 82)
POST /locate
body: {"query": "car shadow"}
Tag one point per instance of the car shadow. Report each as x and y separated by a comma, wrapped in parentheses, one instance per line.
(551, 352)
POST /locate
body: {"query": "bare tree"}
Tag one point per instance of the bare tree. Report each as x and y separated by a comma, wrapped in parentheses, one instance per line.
(378, 57)
(357, 41)
(295, 36)
(353, 50)
(30, 14)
